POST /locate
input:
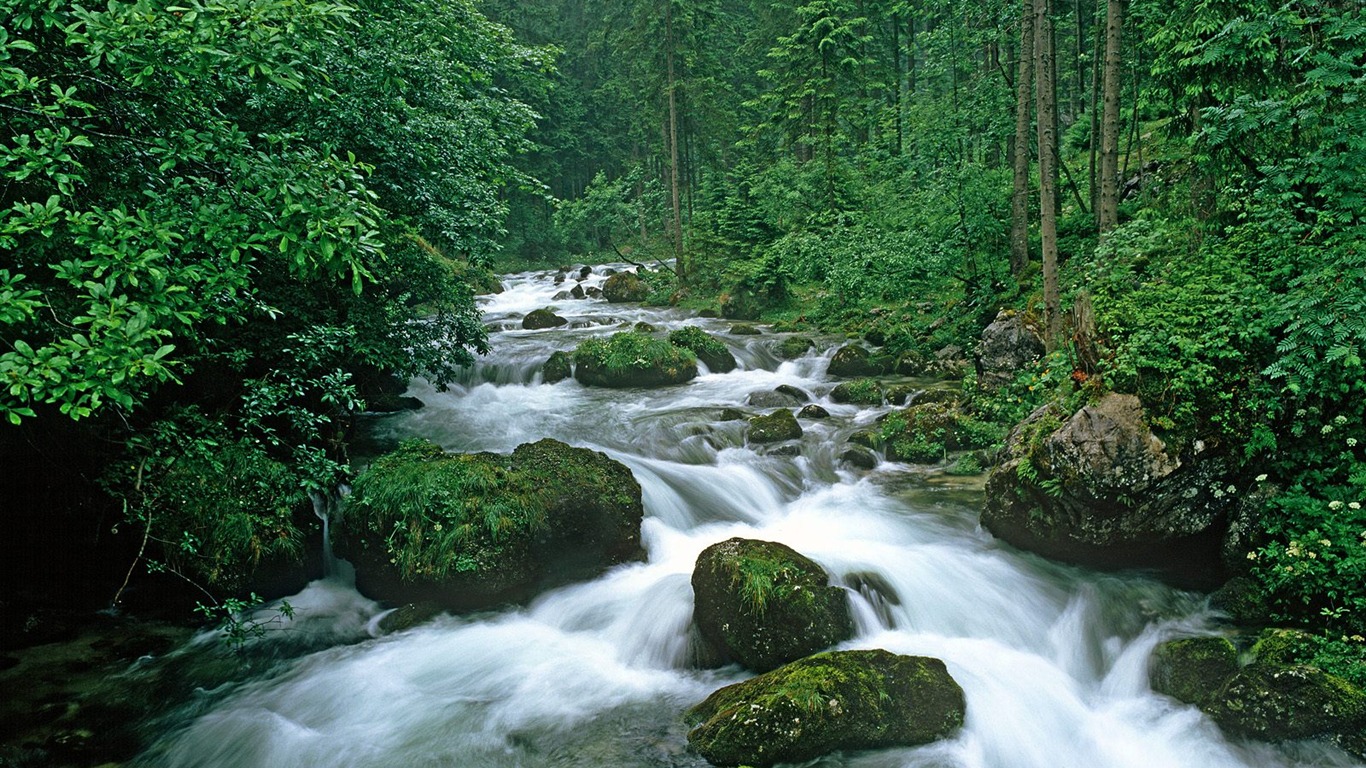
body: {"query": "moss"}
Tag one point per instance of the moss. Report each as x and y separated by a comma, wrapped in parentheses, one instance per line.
(1194, 669)
(852, 360)
(537, 319)
(762, 604)
(710, 350)
(557, 368)
(793, 347)
(1283, 646)
(858, 392)
(1285, 703)
(831, 701)
(479, 528)
(927, 432)
(631, 359)
(775, 427)
(625, 287)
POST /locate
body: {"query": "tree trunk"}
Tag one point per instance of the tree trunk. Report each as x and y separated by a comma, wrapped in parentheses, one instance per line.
(1109, 123)
(1019, 199)
(1045, 99)
(680, 268)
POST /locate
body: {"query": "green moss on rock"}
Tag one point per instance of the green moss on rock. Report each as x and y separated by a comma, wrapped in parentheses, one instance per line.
(473, 530)
(537, 319)
(762, 604)
(793, 347)
(853, 361)
(631, 359)
(557, 368)
(1193, 669)
(710, 350)
(775, 427)
(625, 287)
(831, 701)
(858, 392)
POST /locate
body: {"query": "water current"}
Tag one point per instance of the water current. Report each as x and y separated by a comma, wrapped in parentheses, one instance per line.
(1053, 659)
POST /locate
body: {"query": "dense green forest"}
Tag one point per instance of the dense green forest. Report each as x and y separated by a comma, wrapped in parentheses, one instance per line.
(225, 226)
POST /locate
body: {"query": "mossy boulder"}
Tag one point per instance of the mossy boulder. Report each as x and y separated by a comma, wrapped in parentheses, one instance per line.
(557, 368)
(843, 700)
(625, 287)
(794, 347)
(744, 329)
(631, 359)
(813, 411)
(1009, 344)
(1098, 487)
(537, 319)
(858, 392)
(774, 428)
(853, 361)
(710, 351)
(468, 531)
(1193, 669)
(763, 604)
(1274, 702)
(1269, 699)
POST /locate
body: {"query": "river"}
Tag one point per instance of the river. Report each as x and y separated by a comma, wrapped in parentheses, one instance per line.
(1052, 659)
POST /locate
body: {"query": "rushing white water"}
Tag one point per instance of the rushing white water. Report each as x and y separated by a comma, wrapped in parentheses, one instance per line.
(1052, 659)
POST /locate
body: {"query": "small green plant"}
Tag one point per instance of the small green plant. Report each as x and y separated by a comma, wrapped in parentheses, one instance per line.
(239, 621)
(698, 341)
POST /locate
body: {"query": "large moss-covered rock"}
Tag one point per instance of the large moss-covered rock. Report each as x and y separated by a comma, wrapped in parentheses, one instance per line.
(793, 347)
(625, 287)
(631, 359)
(1193, 669)
(1007, 345)
(853, 361)
(710, 350)
(858, 392)
(832, 701)
(537, 319)
(558, 367)
(1274, 702)
(1100, 488)
(774, 428)
(1271, 698)
(468, 531)
(763, 604)
(781, 396)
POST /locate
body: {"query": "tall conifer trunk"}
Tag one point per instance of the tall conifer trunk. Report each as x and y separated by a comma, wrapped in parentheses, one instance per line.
(1046, 104)
(680, 268)
(1108, 210)
(1019, 201)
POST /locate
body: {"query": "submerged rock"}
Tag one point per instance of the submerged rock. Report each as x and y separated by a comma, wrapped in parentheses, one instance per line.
(467, 531)
(763, 604)
(842, 700)
(774, 428)
(784, 396)
(1100, 489)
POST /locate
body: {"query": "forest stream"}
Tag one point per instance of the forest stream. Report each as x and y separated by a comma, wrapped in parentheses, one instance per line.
(1053, 659)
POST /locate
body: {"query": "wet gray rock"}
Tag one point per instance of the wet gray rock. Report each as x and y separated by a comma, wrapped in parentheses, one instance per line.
(853, 361)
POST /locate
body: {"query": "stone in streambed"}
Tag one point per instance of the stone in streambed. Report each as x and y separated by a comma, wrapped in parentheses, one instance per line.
(631, 359)
(843, 700)
(763, 604)
(774, 428)
(468, 531)
(542, 318)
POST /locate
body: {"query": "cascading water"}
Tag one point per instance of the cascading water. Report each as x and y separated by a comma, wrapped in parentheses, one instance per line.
(1052, 659)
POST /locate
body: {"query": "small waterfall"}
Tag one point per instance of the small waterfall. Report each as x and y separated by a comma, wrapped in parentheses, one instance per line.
(329, 506)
